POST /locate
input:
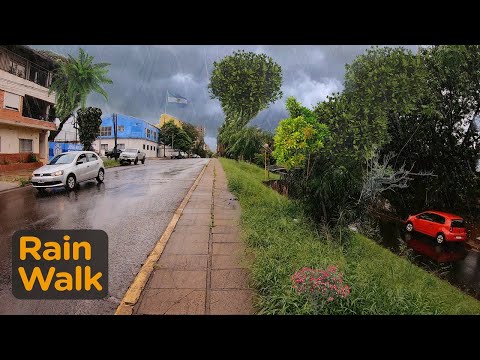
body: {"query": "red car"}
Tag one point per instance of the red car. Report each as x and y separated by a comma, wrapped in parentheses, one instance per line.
(442, 226)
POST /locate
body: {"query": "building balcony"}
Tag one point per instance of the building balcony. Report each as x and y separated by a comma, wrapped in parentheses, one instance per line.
(24, 68)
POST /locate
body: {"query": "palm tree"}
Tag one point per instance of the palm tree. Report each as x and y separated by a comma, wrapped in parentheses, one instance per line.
(73, 81)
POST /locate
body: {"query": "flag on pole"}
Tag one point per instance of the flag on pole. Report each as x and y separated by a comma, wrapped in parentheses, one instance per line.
(176, 99)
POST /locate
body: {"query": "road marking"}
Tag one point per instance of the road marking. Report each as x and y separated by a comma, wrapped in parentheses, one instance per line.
(135, 290)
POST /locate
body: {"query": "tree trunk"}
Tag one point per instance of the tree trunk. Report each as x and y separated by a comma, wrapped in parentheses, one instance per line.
(54, 133)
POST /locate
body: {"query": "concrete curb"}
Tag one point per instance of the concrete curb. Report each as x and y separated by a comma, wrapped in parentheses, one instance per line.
(135, 290)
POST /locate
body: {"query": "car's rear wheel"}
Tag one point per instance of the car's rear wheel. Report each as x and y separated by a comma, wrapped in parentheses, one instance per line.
(409, 227)
(440, 238)
(71, 182)
(100, 176)
(143, 161)
(136, 161)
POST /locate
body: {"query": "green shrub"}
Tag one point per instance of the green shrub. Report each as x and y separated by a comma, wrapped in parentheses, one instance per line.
(32, 158)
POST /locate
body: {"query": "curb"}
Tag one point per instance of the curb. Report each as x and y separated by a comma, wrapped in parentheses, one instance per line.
(136, 287)
(15, 188)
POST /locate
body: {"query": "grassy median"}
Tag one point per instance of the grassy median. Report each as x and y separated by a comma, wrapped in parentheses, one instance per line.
(108, 163)
(283, 241)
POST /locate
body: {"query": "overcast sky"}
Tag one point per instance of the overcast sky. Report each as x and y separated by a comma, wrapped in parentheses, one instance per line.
(142, 74)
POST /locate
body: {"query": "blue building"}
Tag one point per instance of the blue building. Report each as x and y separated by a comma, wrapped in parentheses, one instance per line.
(131, 133)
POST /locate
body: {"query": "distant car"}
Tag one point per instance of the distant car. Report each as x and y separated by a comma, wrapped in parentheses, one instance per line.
(110, 154)
(68, 169)
(440, 225)
(132, 155)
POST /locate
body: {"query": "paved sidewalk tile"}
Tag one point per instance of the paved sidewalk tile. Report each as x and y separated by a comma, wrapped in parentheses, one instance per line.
(222, 262)
(225, 238)
(231, 248)
(178, 279)
(172, 302)
(182, 262)
(231, 302)
(230, 279)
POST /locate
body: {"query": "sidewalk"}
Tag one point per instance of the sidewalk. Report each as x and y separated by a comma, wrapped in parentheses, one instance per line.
(202, 268)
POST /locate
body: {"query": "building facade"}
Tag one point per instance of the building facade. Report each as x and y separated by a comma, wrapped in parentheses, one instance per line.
(25, 103)
(164, 118)
(131, 133)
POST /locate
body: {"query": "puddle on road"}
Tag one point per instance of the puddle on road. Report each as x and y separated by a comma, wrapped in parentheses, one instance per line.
(456, 263)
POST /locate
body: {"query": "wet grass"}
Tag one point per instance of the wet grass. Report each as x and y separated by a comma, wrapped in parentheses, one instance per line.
(283, 240)
(110, 163)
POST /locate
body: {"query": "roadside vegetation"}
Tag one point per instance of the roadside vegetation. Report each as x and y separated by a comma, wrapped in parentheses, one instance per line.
(284, 240)
(110, 163)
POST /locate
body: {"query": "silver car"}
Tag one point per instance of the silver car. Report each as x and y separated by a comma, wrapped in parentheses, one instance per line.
(68, 169)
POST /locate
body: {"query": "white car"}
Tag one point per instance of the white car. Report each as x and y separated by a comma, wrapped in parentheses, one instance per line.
(132, 155)
(68, 169)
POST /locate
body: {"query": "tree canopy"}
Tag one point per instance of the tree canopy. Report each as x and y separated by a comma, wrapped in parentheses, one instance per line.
(73, 80)
(89, 120)
(245, 83)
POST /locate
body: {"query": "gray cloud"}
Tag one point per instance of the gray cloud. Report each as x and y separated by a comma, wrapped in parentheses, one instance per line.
(142, 74)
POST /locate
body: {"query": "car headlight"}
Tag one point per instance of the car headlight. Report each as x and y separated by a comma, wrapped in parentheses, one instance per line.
(58, 173)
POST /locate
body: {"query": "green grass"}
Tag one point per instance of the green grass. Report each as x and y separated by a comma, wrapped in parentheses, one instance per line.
(110, 163)
(283, 240)
(24, 182)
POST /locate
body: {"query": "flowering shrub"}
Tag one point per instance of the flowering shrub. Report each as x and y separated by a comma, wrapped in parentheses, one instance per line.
(320, 285)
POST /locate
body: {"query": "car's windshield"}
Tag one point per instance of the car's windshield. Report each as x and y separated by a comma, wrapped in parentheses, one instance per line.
(62, 159)
(130, 150)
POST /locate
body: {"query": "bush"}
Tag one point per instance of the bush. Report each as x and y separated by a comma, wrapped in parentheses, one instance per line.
(32, 158)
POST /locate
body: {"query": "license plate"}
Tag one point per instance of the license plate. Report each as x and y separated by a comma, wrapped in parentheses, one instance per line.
(459, 237)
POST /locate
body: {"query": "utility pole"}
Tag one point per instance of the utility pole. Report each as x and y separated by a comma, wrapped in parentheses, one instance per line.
(114, 119)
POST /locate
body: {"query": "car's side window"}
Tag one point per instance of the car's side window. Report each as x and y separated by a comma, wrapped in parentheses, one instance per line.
(82, 159)
(92, 157)
(439, 219)
(427, 216)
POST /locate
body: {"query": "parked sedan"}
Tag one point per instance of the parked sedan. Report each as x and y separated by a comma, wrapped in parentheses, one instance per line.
(442, 226)
(68, 169)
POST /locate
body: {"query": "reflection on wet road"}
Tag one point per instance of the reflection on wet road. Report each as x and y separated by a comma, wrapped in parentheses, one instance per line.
(455, 262)
(134, 206)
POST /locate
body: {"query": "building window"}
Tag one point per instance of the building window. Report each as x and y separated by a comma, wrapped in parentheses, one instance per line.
(148, 147)
(104, 147)
(121, 128)
(17, 66)
(105, 131)
(154, 148)
(121, 146)
(26, 145)
(143, 146)
(11, 101)
(148, 133)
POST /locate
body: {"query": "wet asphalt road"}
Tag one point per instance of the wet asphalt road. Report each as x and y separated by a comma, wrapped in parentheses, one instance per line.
(134, 206)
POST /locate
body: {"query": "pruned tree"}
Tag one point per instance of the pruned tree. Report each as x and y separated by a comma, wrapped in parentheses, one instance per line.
(89, 120)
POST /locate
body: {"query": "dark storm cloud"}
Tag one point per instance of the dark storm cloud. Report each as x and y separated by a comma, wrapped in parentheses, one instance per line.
(142, 74)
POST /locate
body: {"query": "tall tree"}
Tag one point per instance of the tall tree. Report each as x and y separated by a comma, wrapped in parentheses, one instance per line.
(192, 133)
(89, 121)
(73, 81)
(175, 137)
(245, 83)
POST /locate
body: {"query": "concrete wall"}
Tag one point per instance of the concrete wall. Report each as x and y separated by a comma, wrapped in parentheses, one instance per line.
(10, 135)
(129, 143)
